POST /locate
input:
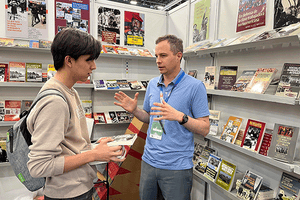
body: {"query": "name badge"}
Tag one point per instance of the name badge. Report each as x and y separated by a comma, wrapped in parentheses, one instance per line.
(156, 130)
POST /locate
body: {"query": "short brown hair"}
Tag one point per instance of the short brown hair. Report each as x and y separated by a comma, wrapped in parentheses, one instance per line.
(175, 43)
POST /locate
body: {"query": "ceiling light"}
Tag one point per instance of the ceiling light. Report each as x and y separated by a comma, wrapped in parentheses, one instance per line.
(133, 2)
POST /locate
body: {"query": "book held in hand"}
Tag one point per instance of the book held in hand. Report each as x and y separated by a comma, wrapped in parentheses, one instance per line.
(231, 129)
(254, 134)
(284, 143)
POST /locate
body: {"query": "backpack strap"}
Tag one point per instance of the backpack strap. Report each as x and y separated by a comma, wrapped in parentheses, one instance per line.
(44, 93)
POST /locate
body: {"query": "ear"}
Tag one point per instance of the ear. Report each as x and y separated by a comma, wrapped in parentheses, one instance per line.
(179, 55)
(68, 61)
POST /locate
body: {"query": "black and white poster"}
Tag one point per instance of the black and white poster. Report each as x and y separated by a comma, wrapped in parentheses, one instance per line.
(286, 12)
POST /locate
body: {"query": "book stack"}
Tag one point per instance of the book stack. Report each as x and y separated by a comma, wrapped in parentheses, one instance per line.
(266, 142)
(265, 193)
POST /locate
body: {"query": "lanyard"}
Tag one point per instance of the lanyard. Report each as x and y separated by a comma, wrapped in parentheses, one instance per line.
(176, 83)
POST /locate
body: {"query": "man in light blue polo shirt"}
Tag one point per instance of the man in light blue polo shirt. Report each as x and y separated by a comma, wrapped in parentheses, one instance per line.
(175, 107)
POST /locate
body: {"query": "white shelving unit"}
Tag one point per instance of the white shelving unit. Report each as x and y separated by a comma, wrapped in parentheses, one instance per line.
(263, 107)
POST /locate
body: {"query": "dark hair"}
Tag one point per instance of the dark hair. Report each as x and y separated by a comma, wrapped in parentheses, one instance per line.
(175, 43)
(74, 43)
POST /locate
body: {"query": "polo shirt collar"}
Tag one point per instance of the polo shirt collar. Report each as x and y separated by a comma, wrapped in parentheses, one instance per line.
(161, 79)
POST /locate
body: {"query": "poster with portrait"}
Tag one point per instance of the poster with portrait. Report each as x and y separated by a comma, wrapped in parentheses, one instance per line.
(286, 12)
(201, 21)
(73, 14)
(134, 29)
(109, 25)
(251, 14)
(26, 19)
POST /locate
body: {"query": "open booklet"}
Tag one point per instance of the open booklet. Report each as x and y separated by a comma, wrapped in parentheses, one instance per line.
(126, 139)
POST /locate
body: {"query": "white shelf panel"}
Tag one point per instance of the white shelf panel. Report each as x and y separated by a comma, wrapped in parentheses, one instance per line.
(7, 123)
(230, 195)
(259, 97)
(281, 165)
(48, 51)
(251, 45)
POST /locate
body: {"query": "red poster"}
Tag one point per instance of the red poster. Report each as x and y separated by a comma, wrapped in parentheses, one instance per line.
(251, 14)
(72, 13)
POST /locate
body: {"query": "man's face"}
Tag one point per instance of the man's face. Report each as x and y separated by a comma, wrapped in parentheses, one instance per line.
(136, 25)
(166, 61)
(83, 67)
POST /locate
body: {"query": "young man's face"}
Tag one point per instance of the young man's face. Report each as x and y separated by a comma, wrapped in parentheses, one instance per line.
(166, 61)
(83, 67)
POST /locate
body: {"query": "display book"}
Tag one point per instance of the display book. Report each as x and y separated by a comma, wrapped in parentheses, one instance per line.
(253, 136)
(214, 120)
(112, 49)
(227, 77)
(289, 187)
(23, 43)
(231, 129)
(226, 175)
(248, 188)
(209, 77)
(111, 117)
(289, 82)
(243, 80)
(212, 167)
(119, 140)
(202, 159)
(114, 84)
(284, 143)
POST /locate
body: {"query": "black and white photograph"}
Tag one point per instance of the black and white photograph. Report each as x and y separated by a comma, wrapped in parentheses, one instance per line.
(109, 25)
(286, 12)
(113, 117)
(224, 177)
(252, 137)
(281, 149)
(17, 74)
(37, 14)
(17, 10)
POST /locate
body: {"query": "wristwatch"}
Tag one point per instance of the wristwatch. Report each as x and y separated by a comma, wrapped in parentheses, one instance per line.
(185, 118)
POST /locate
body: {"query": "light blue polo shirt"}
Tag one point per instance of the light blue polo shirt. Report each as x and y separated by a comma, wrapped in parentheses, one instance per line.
(175, 150)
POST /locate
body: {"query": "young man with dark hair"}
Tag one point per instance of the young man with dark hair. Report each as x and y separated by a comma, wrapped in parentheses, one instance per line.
(176, 107)
(59, 129)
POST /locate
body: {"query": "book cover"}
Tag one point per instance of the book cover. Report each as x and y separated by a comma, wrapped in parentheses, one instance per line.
(226, 175)
(34, 44)
(261, 80)
(122, 50)
(109, 49)
(123, 117)
(243, 39)
(266, 142)
(6, 42)
(226, 42)
(254, 134)
(113, 117)
(87, 106)
(242, 82)
(202, 161)
(145, 83)
(2, 110)
(265, 192)
(108, 117)
(51, 71)
(145, 52)
(199, 46)
(289, 187)
(213, 167)
(250, 185)
(227, 77)
(134, 52)
(112, 84)
(99, 85)
(193, 73)
(45, 44)
(209, 77)
(197, 152)
(284, 142)
(214, 120)
(231, 129)
(136, 85)
(25, 105)
(123, 85)
(289, 82)
(17, 71)
(12, 110)
(34, 72)
(239, 137)
(3, 72)
(21, 43)
(211, 44)
(100, 118)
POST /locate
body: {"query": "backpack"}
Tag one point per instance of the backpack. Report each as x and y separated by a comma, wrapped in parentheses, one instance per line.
(18, 142)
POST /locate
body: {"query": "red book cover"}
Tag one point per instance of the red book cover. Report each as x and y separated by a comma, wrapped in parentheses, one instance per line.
(12, 110)
(109, 49)
(3, 72)
(17, 71)
(254, 134)
(100, 118)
